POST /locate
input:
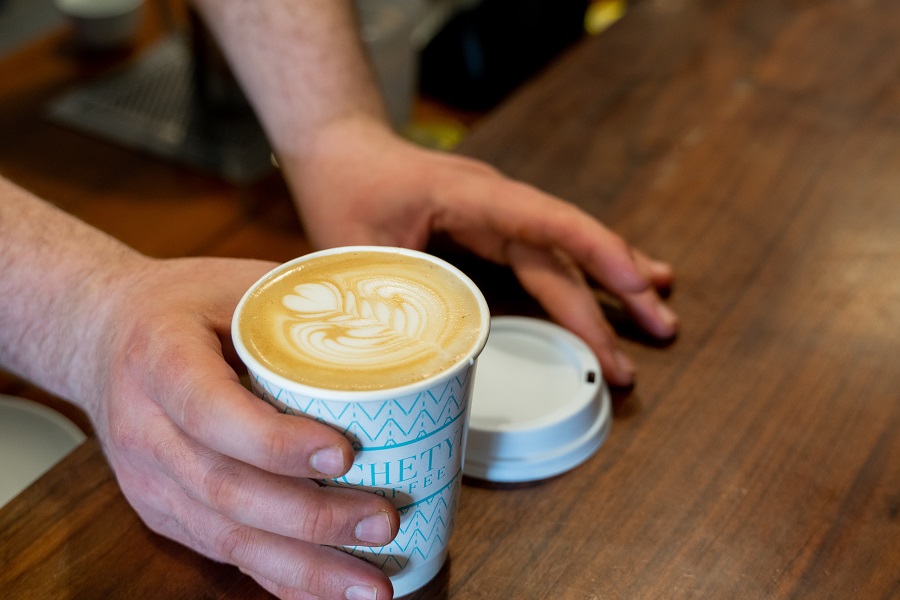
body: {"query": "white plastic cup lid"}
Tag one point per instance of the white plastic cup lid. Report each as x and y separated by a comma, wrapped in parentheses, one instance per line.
(539, 407)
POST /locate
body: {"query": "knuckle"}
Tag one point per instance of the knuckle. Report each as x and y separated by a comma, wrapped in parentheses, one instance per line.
(233, 542)
(142, 344)
(123, 436)
(320, 523)
(191, 414)
(222, 487)
(151, 354)
(279, 450)
(315, 577)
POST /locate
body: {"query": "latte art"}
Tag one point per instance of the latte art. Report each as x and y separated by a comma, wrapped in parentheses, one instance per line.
(361, 321)
(379, 321)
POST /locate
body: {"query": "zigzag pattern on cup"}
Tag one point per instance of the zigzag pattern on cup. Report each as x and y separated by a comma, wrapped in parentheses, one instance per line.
(424, 531)
(379, 425)
(378, 429)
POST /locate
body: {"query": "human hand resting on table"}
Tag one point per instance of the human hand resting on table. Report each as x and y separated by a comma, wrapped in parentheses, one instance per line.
(361, 184)
(143, 346)
(355, 182)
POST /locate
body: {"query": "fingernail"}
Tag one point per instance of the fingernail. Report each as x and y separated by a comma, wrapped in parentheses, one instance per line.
(661, 268)
(626, 367)
(361, 592)
(328, 461)
(666, 315)
(374, 529)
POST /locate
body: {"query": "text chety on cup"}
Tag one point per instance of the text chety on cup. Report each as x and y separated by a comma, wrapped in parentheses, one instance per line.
(380, 343)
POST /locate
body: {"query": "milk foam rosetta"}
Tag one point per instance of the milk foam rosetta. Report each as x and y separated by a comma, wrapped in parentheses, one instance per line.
(360, 321)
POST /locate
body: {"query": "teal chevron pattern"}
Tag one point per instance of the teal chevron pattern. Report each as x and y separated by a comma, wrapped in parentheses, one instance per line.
(425, 529)
(409, 449)
(384, 423)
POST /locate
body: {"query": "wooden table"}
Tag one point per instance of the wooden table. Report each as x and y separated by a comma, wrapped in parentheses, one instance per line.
(753, 143)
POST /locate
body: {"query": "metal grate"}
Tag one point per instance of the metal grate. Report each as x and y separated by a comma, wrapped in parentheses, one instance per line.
(151, 105)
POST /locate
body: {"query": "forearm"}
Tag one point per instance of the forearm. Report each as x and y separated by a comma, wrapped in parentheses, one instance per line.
(56, 277)
(301, 64)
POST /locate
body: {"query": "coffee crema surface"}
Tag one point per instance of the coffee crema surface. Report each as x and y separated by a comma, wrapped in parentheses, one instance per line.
(358, 321)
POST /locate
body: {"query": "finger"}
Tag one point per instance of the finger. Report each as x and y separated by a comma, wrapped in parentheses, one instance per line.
(657, 272)
(651, 313)
(288, 567)
(321, 571)
(354, 590)
(642, 302)
(278, 590)
(648, 308)
(202, 395)
(521, 212)
(294, 507)
(561, 289)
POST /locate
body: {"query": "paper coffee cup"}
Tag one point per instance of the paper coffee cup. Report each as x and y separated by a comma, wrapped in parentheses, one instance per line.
(409, 436)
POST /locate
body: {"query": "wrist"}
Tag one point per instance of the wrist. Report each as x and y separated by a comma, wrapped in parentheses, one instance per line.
(59, 282)
(332, 154)
(97, 306)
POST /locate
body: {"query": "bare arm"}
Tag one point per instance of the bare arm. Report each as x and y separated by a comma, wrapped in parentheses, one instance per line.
(301, 64)
(140, 344)
(355, 182)
(55, 272)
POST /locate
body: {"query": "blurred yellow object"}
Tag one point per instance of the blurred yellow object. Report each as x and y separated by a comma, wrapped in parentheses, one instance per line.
(438, 134)
(601, 14)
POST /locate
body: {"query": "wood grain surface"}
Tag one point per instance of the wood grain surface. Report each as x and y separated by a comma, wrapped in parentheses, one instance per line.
(755, 144)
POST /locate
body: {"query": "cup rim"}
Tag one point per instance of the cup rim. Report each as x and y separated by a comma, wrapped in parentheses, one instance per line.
(256, 367)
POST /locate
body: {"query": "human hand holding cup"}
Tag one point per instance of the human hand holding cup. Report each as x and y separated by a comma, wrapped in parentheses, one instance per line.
(380, 343)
